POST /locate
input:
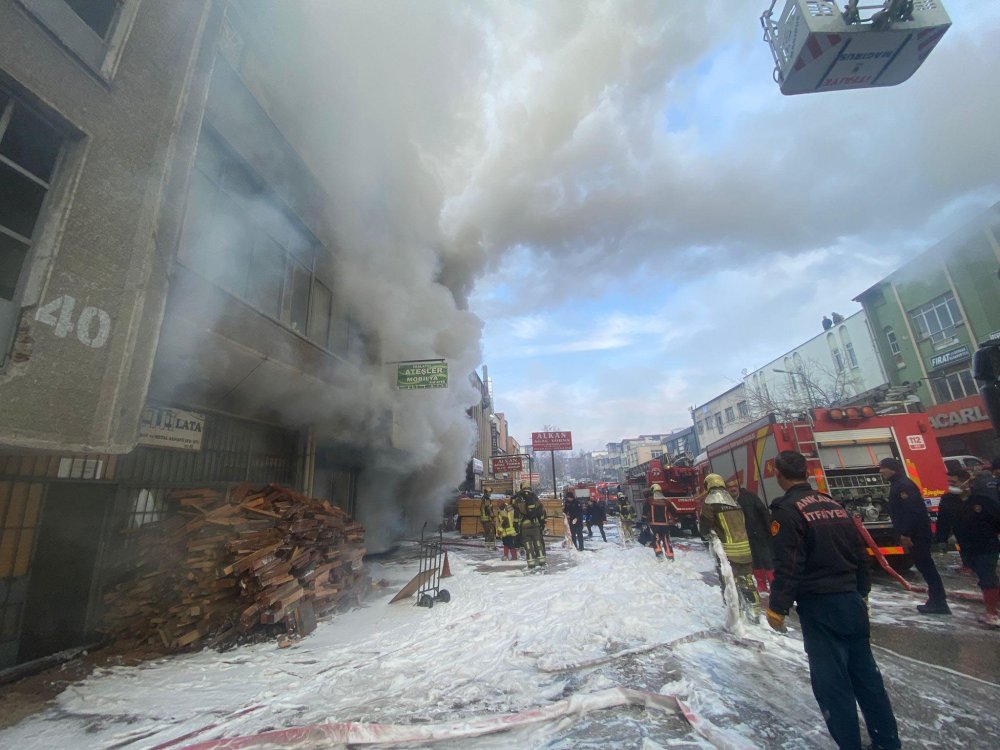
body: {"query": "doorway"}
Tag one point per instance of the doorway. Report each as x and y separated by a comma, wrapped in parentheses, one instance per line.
(62, 574)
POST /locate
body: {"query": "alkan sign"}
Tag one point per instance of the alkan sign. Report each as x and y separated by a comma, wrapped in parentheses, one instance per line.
(552, 441)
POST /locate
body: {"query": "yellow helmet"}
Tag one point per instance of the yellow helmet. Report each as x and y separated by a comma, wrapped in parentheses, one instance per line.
(713, 481)
(656, 488)
(525, 486)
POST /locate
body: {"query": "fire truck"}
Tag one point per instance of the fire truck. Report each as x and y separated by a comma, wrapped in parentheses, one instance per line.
(843, 448)
(679, 483)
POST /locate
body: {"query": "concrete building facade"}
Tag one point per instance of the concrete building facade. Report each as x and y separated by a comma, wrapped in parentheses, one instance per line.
(168, 315)
(929, 317)
(721, 416)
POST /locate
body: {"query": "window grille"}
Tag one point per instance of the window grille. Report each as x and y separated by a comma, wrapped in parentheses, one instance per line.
(937, 320)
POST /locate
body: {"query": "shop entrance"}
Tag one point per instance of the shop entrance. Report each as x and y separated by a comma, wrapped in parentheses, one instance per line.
(62, 574)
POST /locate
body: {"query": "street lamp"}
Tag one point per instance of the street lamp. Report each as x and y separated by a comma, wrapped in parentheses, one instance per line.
(805, 384)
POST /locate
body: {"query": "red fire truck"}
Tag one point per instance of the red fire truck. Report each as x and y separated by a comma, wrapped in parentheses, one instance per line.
(680, 487)
(843, 448)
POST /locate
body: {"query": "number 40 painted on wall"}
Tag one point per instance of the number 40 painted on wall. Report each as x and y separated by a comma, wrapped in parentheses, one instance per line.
(59, 314)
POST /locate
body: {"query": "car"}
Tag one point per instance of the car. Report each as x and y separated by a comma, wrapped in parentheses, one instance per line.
(969, 463)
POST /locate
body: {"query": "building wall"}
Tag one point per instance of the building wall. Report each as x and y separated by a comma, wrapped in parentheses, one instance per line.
(721, 416)
(834, 365)
(964, 268)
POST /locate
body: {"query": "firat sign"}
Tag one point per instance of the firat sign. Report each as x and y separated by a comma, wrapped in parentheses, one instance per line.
(966, 415)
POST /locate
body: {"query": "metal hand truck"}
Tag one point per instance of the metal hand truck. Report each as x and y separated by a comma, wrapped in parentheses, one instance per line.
(429, 574)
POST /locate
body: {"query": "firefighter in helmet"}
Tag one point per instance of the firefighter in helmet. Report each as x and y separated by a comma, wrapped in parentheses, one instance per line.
(487, 515)
(723, 516)
(530, 513)
(657, 516)
(626, 517)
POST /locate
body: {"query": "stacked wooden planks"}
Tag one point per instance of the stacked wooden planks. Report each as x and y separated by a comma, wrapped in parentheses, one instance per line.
(470, 525)
(233, 564)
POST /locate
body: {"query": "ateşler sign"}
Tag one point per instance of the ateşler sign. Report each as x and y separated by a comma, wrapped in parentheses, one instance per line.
(163, 427)
(414, 375)
(552, 441)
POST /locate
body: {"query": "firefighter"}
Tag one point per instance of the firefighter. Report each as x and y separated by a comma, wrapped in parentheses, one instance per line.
(978, 531)
(821, 565)
(598, 515)
(911, 521)
(758, 523)
(486, 515)
(573, 511)
(506, 530)
(660, 531)
(721, 514)
(626, 517)
(530, 513)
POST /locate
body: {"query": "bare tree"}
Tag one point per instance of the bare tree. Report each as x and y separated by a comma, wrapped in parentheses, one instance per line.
(811, 385)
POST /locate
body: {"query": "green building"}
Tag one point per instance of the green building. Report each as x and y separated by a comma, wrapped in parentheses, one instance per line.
(927, 319)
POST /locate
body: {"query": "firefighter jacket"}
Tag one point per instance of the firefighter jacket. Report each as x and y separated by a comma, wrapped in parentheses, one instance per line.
(625, 509)
(949, 506)
(817, 549)
(528, 509)
(505, 521)
(486, 510)
(907, 509)
(978, 524)
(758, 522)
(722, 514)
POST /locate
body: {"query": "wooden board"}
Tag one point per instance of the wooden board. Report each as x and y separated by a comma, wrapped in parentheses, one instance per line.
(411, 588)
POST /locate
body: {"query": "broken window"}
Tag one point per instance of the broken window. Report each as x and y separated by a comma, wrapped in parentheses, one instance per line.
(29, 149)
(319, 314)
(99, 15)
(148, 506)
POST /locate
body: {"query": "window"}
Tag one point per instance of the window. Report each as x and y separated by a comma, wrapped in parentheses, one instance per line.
(656, 454)
(148, 506)
(954, 385)
(29, 150)
(701, 427)
(890, 337)
(937, 320)
(743, 409)
(718, 422)
(88, 28)
(730, 414)
(237, 235)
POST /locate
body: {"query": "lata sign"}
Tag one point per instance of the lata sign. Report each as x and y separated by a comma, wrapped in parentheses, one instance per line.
(163, 427)
(416, 375)
(552, 441)
(505, 464)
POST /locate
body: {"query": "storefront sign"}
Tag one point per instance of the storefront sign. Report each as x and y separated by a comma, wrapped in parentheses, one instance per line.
(414, 375)
(958, 417)
(477, 466)
(163, 427)
(955, 355)
(552, 441)
(503, 464)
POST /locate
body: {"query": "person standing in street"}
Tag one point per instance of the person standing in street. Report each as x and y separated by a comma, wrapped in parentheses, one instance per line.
(978, 530)
(488, 519)
(721, 514)
(949, 506)
(529, 509)
(626, 518)
(758, 523)
(913, 524)
(506, 531)
(821, 565)
(573, 510)
(598, 515)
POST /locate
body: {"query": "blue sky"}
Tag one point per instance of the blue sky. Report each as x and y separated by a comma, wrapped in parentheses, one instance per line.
(653, 229)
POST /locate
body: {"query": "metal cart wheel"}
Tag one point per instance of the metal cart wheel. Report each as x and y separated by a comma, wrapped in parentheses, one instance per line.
(426, 600)
(443, 596)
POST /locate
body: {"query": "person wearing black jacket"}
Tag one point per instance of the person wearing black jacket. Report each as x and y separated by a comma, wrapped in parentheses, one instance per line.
(978, 529)
(949, 507)
(598, 515)
(822, 566)
(911, 521)
(758, 523)
(574, 514)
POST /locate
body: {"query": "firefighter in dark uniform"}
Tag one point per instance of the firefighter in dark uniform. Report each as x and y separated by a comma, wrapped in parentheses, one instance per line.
(911, 521)
(531, 516)
(821, 565)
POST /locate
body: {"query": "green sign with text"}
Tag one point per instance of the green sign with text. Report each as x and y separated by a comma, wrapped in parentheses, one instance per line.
(413, 375)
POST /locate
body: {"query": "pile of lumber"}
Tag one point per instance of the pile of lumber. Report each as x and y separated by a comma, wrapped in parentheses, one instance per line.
(470, 525)
(229, 565)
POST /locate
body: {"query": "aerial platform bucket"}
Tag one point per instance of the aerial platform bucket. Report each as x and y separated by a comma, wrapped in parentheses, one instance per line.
(816, 49)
